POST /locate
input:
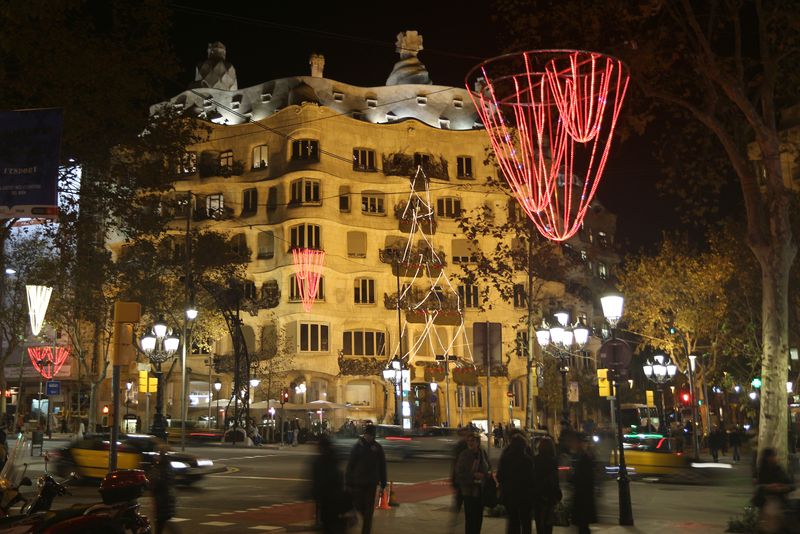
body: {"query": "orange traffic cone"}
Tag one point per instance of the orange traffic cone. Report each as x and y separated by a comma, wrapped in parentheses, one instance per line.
(383, 501)
(392, 501)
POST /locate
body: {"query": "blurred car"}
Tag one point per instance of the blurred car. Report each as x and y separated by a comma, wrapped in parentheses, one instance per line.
(397, 443)
(654, 454)
(434, 441)
(88, 458)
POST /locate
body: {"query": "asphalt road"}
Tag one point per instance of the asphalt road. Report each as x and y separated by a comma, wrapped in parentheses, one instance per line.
(263, 488)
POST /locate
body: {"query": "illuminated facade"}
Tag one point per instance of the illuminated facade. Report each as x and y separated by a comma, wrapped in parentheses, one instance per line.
(309, 162)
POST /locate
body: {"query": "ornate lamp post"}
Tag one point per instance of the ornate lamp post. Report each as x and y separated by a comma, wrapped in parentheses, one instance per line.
(188, 323)
(160, 346)
(562, 338)
(660, 371)
(446, 360)
(612, 311)
(393, 373)
(217, 387)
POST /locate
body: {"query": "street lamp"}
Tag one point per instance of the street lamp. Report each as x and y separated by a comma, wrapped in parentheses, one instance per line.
(217, 387)
(188, 323)
(612, 305)
(562, 338)
(434, 387)
(159, 346)
(660, 371)
(393, 373)
(254, 382)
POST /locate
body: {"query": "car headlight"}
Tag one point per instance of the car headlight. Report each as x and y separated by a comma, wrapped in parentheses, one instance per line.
(204, 463)
(178, 465)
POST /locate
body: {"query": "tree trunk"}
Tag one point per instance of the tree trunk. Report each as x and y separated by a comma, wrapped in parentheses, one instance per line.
(530, 399)
(92, 407)
(773, 419)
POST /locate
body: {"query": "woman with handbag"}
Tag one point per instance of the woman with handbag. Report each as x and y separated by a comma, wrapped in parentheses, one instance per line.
(546, 489)
(471, 470)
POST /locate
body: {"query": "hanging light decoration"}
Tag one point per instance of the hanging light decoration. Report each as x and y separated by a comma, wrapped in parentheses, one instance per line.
(38, 299)
(308, 272)
(48, 360)
(550, 116)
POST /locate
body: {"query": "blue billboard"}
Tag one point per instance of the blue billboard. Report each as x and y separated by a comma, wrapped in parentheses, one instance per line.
(30, 142)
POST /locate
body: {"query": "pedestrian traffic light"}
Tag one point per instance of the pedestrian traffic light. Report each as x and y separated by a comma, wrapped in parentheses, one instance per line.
(105, 409)
(685, 398)
(756, 383)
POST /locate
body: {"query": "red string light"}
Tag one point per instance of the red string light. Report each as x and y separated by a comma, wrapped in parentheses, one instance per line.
(46, 363)
(550, 116)
(308, 271)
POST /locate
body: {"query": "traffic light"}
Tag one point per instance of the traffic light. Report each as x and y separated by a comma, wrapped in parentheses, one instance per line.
(284, 396)
(685, 398)
(105, 409)
(673, 330)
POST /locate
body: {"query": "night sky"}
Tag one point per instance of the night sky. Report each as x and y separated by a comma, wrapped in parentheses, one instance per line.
(272, 40)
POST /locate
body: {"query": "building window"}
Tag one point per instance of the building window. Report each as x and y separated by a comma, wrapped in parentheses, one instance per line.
(363, 343)
(344, 198)
(364, 291)
(468, 293)
(313, 337)
(515, 388)
(187, 163)
(463, 251)
(444, 123)
(391, 116)
(266, 245)
(249, 201)
(458, 103)
(422, 160)
(358, 393)
(602, 239)
(226, 162)
(272, 198)
(520, 300)
(363, 159)
(238, 245)
(305, 191)
(215, 204)
(470, 397)
(522, 344)
(372, 203)
(356, 244)
(249, 290)
(260, 157)
(464, 167)
(305, 150)
(448, 207)
(338, 96)
(602, 270)
(294, 290)
(584, 255)
(305, 236)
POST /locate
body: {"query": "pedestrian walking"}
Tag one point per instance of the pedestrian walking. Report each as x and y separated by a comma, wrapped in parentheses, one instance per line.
(516, 480)
(162, 484)
(584, 511)
(715, 439)
(546, 489)
(773, 486)
(735, 439)
(472, 468)
(366, 468)
(327, 485)
(296, 433)
(497, 434)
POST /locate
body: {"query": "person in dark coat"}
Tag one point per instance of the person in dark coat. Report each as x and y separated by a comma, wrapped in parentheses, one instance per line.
(546, 489)
(366, 468)
(584, 511)
(471, 469)
(735, 440)
(327, 485)
(773, 486)
(516, 480)
(715, 442)
(460, 447)
(162, 484)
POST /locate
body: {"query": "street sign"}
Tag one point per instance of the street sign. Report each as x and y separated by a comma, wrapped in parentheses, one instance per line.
(53, 387)
(603, 385)
(573, 394)
(615, 355)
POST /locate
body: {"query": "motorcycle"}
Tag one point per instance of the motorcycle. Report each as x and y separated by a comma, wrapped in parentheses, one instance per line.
(119, 513)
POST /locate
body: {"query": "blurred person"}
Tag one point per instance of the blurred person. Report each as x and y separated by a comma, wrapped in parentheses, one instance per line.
(516, 480)
(546, 489)
(773, 486)
(366, 468)
(459, 447)
(584, 511)
(715, 443)
(327, 486)
(497, 433)
(472, 467)
(735, 439)
(162, 484)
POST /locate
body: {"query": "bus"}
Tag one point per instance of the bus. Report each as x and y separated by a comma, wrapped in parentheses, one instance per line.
(639, 417)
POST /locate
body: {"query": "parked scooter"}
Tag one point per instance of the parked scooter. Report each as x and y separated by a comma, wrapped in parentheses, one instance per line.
(119, 513)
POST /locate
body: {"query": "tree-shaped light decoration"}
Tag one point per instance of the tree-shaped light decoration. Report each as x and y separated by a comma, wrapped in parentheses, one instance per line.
(551, 116)
(308, 271)
(38, 299)
(48, 360)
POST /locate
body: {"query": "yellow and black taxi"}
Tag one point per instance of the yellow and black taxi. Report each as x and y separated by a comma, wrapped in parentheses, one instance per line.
(653, 454)
(88, 458)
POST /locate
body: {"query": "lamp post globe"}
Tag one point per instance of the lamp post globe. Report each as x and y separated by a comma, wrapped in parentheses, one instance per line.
(660, 370)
